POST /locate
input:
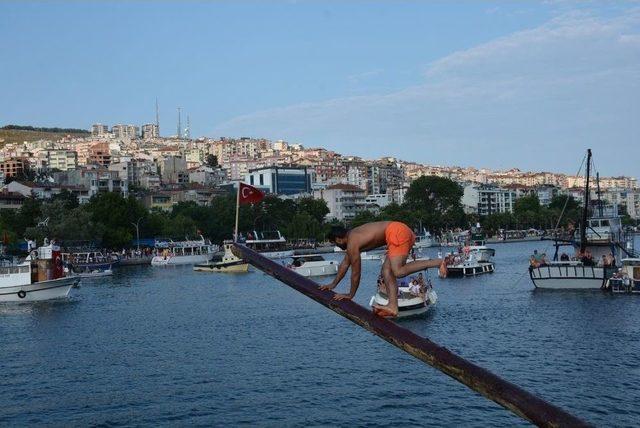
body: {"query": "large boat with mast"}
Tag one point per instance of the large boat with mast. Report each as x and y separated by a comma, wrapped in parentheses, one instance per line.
(600, 246)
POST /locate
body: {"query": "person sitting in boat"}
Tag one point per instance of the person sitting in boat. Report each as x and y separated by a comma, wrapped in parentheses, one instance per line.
(564, 257)
(586, 258)
(543, 260)
(399, 239)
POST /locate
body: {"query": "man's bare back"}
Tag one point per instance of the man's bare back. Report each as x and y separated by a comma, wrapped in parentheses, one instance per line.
(368, 236)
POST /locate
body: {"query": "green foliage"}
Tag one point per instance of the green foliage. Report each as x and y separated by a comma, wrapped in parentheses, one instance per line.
(212, 161)
(435, 202)
(40, 129)
(363, 217)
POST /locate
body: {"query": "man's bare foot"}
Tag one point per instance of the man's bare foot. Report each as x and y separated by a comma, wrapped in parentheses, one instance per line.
(385, 311)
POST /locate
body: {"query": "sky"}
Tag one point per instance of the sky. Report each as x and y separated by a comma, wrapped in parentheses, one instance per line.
(498, 85)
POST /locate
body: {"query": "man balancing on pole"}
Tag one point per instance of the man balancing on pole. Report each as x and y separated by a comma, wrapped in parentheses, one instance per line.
(398, 238)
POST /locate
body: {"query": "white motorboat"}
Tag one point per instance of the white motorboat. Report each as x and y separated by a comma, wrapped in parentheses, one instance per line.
(477, 248)
(372, 255)
(469, 267)
(270, 244)
(185, 252)
(313, 265)
(89, 264)
(423, 240)
(228, 263)
(39, 277)
(411, 301)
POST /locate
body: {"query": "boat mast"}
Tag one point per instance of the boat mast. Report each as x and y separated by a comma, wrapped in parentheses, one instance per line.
(585, 209)
(598, 192)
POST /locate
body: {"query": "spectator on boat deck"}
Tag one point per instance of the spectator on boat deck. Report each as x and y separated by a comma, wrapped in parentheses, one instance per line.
(604, 261)
(543, 259)
(587, 258)
(612, 260)
(421, 279)
(564, 257)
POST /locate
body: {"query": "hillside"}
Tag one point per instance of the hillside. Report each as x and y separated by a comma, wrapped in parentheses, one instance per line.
(19, 134)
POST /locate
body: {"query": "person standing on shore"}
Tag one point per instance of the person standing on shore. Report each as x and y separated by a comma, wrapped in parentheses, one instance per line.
(398, 238)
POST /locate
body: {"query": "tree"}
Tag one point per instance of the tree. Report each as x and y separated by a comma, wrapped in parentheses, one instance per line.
(436, 201)
(69, 200)
(212, 161)
(316, 208)
(362, 217)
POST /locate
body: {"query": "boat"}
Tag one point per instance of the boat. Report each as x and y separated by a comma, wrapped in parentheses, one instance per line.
(411, 301)
(313, 265)
(39, 277)
(169, 252)
(627, 278)
(477, 247)
(88, 264)
(227, 263)
(371, 256)
(600, 235)
(270, 244)
(469, 267)
(423, 240)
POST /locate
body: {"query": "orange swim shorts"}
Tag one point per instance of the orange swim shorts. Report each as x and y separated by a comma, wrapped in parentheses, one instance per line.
(400, 239)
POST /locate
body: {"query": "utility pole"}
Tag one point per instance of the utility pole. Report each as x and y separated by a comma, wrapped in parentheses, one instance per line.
(179, 132)
(137, 226)
(157, 118)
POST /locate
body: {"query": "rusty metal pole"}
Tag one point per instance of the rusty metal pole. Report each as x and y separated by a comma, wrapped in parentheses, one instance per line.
(508, 395)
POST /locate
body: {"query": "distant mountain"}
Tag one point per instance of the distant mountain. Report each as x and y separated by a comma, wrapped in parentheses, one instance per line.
(20, 134)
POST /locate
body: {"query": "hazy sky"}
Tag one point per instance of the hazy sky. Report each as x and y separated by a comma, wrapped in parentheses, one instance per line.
(486, 84)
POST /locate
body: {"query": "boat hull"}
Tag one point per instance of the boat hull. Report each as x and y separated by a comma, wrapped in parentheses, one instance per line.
(222, 267)
(329, 269)
(39, 291)
(180, 260)
(97, 274)
(408, 305)
(470, 270)
(277, 254)
(568, 277)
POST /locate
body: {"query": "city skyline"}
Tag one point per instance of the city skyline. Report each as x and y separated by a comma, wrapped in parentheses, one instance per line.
(526, 86)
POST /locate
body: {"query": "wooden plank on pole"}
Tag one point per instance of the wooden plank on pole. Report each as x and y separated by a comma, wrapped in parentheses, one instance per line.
(508, 395)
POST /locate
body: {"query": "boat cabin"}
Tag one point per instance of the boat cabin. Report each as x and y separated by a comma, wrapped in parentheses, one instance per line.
(300, 260)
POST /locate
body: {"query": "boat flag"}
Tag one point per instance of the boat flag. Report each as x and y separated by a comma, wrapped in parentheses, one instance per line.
(249, 194)
(246, 195)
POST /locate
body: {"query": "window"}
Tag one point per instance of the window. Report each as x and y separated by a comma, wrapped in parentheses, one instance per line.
(261, 179)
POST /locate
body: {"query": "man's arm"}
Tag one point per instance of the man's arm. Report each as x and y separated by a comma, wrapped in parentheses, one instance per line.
(342, 270)
(356, 268)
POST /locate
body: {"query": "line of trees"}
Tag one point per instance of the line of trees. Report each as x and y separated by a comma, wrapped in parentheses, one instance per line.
(108, 219)
(40, 129)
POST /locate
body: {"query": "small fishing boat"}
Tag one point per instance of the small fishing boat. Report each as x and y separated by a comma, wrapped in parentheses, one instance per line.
(313, 265)
(412, 300)
(39, 277)
(470, 267)
(627, 279)
(227, 263)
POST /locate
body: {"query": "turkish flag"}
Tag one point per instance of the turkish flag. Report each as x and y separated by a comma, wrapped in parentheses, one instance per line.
(249, 194)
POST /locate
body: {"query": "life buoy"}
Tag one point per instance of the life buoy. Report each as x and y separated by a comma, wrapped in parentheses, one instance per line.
(22, 294)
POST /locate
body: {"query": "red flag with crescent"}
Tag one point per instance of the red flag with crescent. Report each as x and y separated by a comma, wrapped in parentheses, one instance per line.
(249, 194)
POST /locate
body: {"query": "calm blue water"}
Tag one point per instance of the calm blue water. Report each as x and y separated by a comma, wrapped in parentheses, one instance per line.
(169, 346)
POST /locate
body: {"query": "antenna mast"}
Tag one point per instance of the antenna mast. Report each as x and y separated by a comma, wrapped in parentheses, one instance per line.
(179, 132)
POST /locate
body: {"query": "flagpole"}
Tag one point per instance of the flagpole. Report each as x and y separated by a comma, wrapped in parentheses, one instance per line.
(235, 233)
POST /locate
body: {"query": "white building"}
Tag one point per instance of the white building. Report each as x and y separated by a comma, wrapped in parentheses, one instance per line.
(61, 159)
(150, 130)
(379, 199)
(343, 200)
(125, 131)
(99, 130)
(485, 200)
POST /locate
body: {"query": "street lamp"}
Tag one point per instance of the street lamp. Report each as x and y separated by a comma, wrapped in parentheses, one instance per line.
(137, 226)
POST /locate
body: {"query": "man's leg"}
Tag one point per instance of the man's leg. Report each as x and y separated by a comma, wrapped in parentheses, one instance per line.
(400, 268)
(391, 286)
